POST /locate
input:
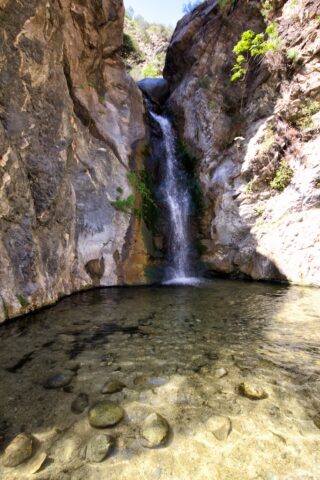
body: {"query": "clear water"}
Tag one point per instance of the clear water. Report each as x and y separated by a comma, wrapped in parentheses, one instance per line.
(165, 344)
(175, 193)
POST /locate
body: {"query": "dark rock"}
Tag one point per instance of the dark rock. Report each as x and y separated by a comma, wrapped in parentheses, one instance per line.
(59, 380)
(80, 403)
(157, 89)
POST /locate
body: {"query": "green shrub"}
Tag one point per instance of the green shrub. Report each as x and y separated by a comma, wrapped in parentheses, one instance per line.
(130, 48)
(142, 183)
(304, 116)
(282, 177)
(252, 45)
(125, 205)
(151, 71)
(23, 302)
(293, 55)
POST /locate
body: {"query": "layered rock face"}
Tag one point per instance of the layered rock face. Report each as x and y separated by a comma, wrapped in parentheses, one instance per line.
(257, 140)
(69, 118)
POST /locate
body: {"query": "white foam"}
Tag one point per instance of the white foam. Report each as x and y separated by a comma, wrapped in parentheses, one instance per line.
(193, 281)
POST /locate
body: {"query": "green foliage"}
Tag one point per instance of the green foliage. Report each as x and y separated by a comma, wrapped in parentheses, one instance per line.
(120, 190)
(252, 45)
(204, 82)
(130, 48)
(124, 205)
(259, 210)
(282, 177)
(293, 55)
(23, 302)
(200, 248)
(250, 187)
(142, 183)
(189, 162)
(225, 5)
(266, 8)
(305, 113)
(151, 71)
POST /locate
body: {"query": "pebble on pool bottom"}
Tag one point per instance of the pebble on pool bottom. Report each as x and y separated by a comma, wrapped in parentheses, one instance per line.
(18, 451)
(155, 431)
(105, 414)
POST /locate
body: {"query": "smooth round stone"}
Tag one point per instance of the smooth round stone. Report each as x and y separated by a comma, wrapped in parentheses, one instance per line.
(59, 380)
(80, 403)
(99, 447)
(220, 426)
(252, 391)
(114, 386)
(221, 372)
(18, 451)
(105, 414)
(155, 430)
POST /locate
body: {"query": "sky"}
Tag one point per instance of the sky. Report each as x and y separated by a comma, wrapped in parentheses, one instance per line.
(167, 12)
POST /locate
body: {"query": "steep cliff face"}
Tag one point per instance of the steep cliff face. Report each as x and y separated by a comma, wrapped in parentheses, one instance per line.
(257, 140)
(69, 118)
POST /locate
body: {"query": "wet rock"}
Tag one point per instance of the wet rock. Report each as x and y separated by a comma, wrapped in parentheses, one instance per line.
(80, 403)
(99, 447)
(105, 414)
(154, 431)
(220, 426)
(252, 391)
(221, 372)
(37, 463)
(59, 380)
(157, 89)
(113, 386)
(18, 451)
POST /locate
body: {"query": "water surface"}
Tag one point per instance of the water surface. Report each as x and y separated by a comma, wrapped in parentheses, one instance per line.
(166, 344)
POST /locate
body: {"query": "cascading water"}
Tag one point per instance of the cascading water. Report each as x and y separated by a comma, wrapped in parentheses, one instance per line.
(177, 199)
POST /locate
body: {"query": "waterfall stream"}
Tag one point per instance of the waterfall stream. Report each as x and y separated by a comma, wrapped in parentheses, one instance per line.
(177, 199)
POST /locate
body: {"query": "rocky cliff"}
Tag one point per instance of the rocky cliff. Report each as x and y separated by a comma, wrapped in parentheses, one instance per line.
(257, 140)
(70, 117)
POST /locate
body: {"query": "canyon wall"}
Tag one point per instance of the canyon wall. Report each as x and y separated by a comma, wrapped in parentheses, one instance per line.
(256, 140)
(70, 120)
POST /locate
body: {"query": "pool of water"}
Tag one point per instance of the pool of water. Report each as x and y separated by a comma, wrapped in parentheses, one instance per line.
(168, 345)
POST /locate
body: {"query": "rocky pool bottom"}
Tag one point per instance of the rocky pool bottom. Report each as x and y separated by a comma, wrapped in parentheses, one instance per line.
(219, 381)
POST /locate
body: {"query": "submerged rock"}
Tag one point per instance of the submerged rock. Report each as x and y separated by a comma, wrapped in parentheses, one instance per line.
(154, 431)
(80, 403)
(99, 447)
(113, 386)
(221, 372)
(18, 451)
(105, 414)
(220, 426)
(252, 391)
(59, 380)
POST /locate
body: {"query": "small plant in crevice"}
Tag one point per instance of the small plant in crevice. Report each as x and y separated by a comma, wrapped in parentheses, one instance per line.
(204, 82)
(305, 113)
(23, 302)
(282, 177)
(142, 182)
(293, 55)
(253, 45)
(259, 210)
(124, 205)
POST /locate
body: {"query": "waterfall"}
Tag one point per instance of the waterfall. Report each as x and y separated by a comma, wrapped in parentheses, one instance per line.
(177, 199)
